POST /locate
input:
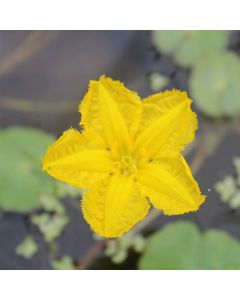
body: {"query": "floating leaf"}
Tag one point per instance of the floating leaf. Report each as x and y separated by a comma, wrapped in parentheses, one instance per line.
(236, 162)
(51, 226)
(27, 248)
(235, 201)
(51, 204)
(214, 84)
(118, 248)
(229, 187)
(64, 190)
(120, 256)
(188, 46)
(111, 248)
(181, 245)
(174, 247)
(65, 263)
(226, 188)
(22, 181)
(221, 251)
(167, 41)
(157, 81)
(139, 243)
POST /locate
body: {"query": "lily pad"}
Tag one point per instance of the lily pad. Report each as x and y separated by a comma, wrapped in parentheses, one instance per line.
(214, 84)
(22, 181)
(167, 41)
(221, 251)
(188, 46)
(181, 245)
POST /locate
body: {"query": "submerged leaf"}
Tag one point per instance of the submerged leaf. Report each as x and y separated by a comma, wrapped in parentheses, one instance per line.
(65, 263)
(229, 187)
(235, 201)
(118, 248)
(27, 248)
(120, 256)
(51, 204)
(158, 81)
(226, 188)
(64, 190)
(50, 226)
(236, 162)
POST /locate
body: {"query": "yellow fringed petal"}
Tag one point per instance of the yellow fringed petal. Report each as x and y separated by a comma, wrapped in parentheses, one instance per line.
(78, 158)
(168, 124)
(129, 150)
(170, 186)
(114, 205)
(113, 111)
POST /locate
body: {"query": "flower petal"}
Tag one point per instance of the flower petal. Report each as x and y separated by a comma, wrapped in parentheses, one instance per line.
(114, 205)
(112, 110)
(78, 158)
(170, 186)
(168, 123)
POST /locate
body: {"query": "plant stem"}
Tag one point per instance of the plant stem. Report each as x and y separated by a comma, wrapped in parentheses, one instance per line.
(31, 45)
(92, 254)
(153, 214)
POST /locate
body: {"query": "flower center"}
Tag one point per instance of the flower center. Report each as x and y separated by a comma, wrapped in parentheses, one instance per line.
(128, 165)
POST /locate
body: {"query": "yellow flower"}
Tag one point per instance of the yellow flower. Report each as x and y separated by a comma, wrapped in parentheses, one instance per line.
(127, 156)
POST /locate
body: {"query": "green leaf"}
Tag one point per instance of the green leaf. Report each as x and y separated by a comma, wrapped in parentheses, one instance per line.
(167, 41)
(229, 187)
(236, 162)
(22, 181)
(199, 43)
(226, 188)
(120, 256)
(51, 226)
(235, 201)
(214, 84)
(27, 248)
(174, 247)
(139, 243)
(111, 248)
(181, 245)
(188, 46)
(118, 248)
(157, 81)
(221, 251)
(65, 263)
(64, 190)
(51, 204)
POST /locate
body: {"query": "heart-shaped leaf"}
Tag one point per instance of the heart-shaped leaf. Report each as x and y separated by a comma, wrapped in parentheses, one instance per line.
(22, 181)
(188, 46)
(181, 245)
(214, 84)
